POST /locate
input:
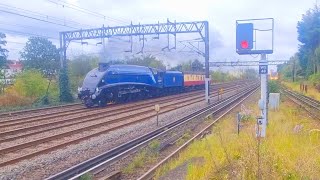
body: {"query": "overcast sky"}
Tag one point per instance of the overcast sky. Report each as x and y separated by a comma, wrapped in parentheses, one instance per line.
(221, 15)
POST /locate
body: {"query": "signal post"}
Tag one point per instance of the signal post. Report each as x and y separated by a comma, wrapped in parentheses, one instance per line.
(246, 44)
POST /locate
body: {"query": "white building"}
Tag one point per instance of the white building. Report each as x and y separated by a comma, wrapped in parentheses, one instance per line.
(13, 67)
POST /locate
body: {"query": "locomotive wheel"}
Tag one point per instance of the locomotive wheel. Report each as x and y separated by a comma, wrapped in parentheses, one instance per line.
(88, 103)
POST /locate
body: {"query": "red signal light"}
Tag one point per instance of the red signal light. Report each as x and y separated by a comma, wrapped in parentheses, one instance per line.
(244, 44)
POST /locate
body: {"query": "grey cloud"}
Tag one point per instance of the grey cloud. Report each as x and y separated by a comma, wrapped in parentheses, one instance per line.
(220, 14)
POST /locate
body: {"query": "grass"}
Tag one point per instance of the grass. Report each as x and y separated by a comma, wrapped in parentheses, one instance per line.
(14, 101)
(284, 153)
(312, 91)
(86, 176)
(184, 138)
(147, 155)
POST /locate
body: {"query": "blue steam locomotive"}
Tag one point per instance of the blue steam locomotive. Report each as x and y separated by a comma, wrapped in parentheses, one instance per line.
(122, 83)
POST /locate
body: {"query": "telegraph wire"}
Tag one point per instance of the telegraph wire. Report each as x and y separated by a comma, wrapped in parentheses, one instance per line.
(28, 27)
(86, 11)
(20, 10)
(38, 19)
(28, 34)
(24, 34)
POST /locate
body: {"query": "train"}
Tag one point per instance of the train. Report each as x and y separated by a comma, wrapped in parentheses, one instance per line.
(123, 83)
(273, 75)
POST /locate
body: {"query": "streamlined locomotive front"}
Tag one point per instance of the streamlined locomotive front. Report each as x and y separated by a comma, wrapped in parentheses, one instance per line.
(89, 92)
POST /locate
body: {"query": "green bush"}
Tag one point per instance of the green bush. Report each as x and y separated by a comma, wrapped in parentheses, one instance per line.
(315, 79)
(274, 87)
(31, 83)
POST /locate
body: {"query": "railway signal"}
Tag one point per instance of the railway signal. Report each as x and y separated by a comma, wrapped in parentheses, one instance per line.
(246, 43)
(244, 39)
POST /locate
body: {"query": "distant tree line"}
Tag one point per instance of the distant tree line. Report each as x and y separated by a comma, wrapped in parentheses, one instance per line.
(3, 59)
(305, 64)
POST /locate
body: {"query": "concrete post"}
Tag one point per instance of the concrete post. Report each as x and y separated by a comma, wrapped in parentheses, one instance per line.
(264, 96)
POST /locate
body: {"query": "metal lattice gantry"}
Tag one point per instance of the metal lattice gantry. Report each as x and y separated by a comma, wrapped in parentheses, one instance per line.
(168, 28)
(136, 30)
(245, 63)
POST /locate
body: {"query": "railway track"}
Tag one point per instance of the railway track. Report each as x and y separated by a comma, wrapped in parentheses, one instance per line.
(92, 116)
(26, 112)
(310, 105)
(121, 151)
(38, 117)
(19, 125)
(65, 109)
(11, 148)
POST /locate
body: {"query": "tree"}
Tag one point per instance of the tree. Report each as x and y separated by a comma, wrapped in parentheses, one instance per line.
(65, 93)
(292, 69)
(148, 60)
(196, 65)
(250, 74)
(3, 51)
(309, 36)
(317, 57)
(39, 53)
(190, 65)
(219, 76)
(3, 59)
(79, 67)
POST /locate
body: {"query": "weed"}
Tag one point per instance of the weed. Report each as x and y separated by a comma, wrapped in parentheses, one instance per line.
(209, 117)
(14, 99)
(284, 154)
(149, 154)
(137, 162)
(273, 86)
(154, 146)
(247, 117)
(86, 176)
(184, 138)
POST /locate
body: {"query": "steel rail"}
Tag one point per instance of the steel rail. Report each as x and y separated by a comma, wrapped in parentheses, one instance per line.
(24, 118)
(66, 134)
(18, 112)
(304, 98)
(38, 117)
(150, 173)
(305, 102)
(92, 117)
(122, 150)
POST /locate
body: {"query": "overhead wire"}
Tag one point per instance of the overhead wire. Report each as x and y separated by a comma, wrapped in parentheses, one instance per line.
(87, 11)
(28, 27)
(40, 15)
(26, 33)
(38, 19)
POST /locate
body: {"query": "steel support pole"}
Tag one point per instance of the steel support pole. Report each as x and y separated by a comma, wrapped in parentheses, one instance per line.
(206, 56)
(61, 50)
(264, 95)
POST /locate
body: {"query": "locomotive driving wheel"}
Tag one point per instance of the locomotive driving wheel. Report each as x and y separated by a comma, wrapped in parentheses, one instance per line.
(88, 102)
